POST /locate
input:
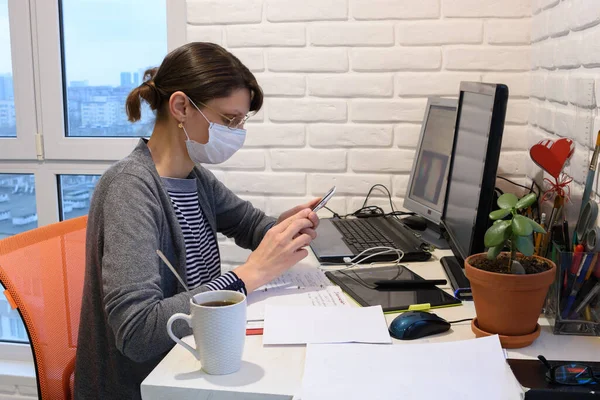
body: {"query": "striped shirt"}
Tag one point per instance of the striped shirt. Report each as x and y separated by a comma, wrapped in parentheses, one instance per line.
(202, 254)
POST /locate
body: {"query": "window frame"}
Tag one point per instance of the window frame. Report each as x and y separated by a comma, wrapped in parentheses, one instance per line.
(56, 145)
(46, 182)
(39, 108)
(16, 352)
(23, 146)
(68, 169)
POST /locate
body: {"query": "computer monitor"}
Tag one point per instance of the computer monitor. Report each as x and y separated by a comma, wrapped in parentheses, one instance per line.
(426, 190)
(472, 175)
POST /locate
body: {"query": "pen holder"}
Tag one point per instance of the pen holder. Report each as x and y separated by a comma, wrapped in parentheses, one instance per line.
(573, 302)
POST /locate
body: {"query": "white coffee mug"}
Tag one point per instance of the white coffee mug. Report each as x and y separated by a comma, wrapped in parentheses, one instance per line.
(219, 331)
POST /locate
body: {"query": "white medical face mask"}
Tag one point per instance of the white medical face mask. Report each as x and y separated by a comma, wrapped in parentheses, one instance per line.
(223, 142)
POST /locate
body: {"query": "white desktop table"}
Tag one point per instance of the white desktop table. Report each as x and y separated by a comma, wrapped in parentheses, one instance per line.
(275, 372)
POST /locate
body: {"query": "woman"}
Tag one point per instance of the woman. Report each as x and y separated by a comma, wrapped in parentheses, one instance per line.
(159, 197)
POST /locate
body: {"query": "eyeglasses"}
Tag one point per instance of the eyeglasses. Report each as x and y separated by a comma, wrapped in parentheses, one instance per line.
(573, 374)
(235, 122)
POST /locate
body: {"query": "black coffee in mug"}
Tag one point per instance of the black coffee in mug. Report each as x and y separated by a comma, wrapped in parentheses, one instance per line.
(221, 303)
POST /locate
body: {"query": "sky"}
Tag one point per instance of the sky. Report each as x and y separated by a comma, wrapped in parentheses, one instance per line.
(102, 38)
(5, 66)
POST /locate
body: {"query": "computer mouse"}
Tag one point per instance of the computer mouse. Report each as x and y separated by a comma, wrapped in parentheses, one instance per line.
(415, 222)
(417, 324)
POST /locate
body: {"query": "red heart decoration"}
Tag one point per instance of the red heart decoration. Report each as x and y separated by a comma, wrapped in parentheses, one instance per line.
(551, 156)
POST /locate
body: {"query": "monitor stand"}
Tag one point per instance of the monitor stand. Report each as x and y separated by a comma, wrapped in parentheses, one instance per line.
(433, 235)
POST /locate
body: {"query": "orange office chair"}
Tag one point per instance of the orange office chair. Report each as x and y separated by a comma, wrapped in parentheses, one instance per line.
(42, 271)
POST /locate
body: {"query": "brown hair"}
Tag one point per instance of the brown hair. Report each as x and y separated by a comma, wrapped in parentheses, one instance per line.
(203, 71)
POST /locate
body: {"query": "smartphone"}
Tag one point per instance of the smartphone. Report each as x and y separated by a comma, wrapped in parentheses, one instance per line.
(324, 200)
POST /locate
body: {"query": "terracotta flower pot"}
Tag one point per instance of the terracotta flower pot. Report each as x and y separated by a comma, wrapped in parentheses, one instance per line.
(508, 304)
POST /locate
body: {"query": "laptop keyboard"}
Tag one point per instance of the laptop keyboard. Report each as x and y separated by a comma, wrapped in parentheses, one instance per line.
(360, 235)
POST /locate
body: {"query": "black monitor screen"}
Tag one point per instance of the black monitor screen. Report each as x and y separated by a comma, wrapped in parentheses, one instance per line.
(470, 150)
(433, 160)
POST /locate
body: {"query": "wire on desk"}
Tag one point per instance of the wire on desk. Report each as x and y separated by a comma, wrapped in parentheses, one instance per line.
(460, 320)
(387, 191)
(372, 211)
(357, 260)
(354, 263)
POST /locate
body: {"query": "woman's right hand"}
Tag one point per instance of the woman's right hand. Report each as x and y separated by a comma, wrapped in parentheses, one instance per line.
(281, 248)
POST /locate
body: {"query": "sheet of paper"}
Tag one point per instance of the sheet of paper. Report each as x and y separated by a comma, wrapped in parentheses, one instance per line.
(298, 278)
(299, 325)
(467, 370)
(331, 296)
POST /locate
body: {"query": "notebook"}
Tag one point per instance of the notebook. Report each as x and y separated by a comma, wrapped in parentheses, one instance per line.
(303, 285)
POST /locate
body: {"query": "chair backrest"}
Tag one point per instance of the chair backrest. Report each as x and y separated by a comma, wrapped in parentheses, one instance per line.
(42, 271)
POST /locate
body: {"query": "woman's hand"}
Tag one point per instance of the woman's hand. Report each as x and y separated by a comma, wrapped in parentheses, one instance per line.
(281, 248)
(312, 216)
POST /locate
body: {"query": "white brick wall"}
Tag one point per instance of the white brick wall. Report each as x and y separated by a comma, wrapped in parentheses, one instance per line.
(565, 66)
(346, 83)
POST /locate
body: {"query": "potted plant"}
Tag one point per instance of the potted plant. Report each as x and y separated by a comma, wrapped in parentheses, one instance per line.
(509, 287)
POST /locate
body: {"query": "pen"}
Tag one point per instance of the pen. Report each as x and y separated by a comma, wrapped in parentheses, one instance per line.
(577, 282)
(571, 272)
(556, 209)
(566, 234)
(588, 298)
(538, 237)
(409, 284)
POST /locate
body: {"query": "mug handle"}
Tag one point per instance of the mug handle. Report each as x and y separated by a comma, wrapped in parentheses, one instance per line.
(187, 319)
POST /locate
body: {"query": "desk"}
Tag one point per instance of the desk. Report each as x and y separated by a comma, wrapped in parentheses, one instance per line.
(275, 372)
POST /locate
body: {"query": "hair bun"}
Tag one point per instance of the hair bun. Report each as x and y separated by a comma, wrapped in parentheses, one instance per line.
(150, 73)
(147, 91)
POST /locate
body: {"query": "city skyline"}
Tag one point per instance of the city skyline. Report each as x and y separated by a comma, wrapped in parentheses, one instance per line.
(103, 38)
(93, 111)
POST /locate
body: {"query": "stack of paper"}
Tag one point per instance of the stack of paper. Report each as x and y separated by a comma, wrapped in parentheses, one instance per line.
(300, 286)
(468, 370)
(301, 325)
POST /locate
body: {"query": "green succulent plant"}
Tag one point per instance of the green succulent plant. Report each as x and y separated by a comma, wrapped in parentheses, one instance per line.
(510, 229)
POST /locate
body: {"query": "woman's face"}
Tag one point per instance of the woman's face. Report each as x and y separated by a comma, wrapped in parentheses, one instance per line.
(218, 111)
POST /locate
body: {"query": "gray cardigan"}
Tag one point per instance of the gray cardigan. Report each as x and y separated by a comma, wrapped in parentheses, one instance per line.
(129, 294)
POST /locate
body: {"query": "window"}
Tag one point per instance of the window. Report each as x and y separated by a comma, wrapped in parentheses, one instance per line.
(101, 66)
(88, 54)
(75, 194)
(18, 212)
(8, 121)
(11, 326)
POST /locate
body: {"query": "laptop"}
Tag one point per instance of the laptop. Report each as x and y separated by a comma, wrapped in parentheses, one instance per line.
(426, 190)
(341, 239)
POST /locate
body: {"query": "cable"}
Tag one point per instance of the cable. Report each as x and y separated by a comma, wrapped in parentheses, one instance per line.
(460, 320)
(523, 186)
(372, 211)
(387, 191)
(354, 262)
(335, 215)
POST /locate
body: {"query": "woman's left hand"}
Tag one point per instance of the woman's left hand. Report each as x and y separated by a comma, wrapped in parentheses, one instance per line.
(312, 216)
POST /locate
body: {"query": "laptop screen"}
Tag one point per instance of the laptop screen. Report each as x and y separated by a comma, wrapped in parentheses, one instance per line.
(429, 176)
